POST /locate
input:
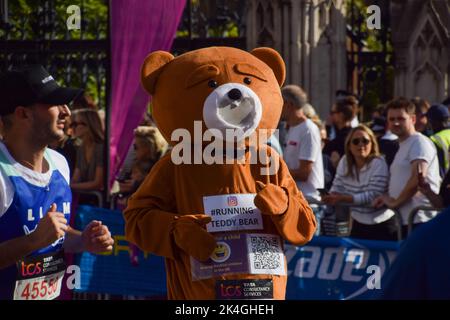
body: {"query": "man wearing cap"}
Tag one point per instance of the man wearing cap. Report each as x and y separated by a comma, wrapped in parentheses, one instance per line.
(35, 195)
(438, 116)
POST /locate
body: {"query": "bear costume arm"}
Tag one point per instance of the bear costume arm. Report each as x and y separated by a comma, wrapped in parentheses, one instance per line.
(298, 224)
(148, 217)
(295, 224)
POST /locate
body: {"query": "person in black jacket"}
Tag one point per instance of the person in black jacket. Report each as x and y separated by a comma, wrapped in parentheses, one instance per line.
(387, 141)
(342, 113)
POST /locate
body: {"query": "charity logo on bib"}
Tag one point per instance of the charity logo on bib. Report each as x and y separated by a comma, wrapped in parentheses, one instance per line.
(221, 253)
(242, 253)
(232, 212)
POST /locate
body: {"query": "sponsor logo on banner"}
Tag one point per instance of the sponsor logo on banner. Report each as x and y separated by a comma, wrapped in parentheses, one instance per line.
(330, 268)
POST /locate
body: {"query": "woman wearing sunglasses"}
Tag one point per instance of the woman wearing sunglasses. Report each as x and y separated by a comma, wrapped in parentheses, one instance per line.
(362, 175)
(88, 128)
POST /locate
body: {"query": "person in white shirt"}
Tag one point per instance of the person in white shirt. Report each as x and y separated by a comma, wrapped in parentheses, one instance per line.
(416, 156)
(361, 176)
(303, 152)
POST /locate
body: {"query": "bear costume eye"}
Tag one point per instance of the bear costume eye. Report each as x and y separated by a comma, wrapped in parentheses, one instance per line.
(212, 83)
(247, 80)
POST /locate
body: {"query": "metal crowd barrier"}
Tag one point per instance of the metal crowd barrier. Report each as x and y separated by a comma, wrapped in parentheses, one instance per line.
(98, 195)
(397, 215)
(113, 203)
(414, 212)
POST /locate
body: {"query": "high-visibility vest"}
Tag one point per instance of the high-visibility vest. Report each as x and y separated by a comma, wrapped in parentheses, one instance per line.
(442, 141)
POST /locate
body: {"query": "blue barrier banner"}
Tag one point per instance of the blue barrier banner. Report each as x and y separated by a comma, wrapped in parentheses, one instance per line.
(327, 268)
(114, 273)
(334, 268)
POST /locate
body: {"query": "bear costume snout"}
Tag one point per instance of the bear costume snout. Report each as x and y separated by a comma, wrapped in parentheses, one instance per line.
(232, 108)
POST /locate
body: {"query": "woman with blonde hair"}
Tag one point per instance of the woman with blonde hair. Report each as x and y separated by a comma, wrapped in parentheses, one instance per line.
(149, 143)
(88, 128)
(362, 175)
(149, 146)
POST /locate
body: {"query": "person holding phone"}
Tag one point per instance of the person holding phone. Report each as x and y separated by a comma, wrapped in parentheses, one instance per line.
(362, 175)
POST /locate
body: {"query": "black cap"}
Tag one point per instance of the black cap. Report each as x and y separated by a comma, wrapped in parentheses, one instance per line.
(340, 94)
(30, 85)
(378, 124)
(438, 112)
(446, 102)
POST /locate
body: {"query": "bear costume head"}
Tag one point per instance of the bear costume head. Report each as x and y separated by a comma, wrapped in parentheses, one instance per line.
(225, 88)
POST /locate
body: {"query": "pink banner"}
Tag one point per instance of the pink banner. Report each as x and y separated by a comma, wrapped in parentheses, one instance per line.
(138, 27)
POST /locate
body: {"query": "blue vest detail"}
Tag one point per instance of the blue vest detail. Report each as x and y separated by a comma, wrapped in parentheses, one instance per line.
(30, 202)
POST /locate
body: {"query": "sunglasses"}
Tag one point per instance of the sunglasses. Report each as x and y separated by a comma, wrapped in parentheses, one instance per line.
(357, 141)
(75, 124)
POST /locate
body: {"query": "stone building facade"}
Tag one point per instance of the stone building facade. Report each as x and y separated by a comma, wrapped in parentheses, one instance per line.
(421, 40)
(311, 36)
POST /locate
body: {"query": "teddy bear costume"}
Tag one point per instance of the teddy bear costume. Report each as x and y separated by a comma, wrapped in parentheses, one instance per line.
(200, 214)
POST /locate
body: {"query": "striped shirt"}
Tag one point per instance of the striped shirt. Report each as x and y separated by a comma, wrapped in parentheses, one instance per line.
(372, 182)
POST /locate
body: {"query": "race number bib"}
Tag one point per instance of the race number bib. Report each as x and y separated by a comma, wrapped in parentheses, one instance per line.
(232, 212)
(242, 253)
(40, 277)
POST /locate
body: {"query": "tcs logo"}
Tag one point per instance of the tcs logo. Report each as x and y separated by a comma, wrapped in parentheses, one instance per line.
(230, 290)
(31, 269)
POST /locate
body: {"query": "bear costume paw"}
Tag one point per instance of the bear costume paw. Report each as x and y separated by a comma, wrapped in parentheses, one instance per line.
(271, 199)
(190, 236)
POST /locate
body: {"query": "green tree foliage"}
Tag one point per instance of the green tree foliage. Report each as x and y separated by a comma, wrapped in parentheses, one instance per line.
(375, 79)
(212, 19)
(372, 38)
(25, 18)
(28, 20)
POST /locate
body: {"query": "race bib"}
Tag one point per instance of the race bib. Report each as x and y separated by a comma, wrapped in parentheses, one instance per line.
(242, 253)
(232, 212)
(40, 277)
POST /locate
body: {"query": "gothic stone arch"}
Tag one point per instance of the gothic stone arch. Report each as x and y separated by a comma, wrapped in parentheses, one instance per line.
(421, 39)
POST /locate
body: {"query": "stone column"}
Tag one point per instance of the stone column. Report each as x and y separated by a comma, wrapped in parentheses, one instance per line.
(310, 35)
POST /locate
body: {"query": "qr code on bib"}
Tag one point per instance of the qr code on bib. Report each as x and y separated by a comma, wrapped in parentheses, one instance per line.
(265, 253)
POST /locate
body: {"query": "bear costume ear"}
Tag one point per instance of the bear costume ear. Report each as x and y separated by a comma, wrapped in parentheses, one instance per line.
(152, 68)
(273, 59)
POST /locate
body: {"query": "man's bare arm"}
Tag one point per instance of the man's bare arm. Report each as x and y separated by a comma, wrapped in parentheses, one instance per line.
(15, 249)
(303, 172)
(412, 185)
